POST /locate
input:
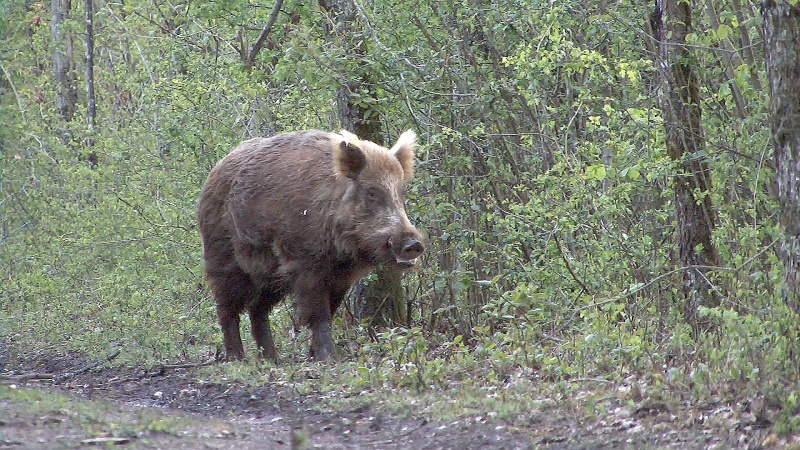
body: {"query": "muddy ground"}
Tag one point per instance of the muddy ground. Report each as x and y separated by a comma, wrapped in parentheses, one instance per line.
(171, 408)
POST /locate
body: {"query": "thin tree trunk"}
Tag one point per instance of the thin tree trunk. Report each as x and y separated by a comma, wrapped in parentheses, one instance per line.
(66, 92)
(679, 98)
(781, 35)
(747, 51)
(92, 105)
(249, 55)
(729, 58)
(382, 299)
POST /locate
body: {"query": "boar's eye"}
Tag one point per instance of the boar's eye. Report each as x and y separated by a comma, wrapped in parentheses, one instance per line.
(375, 196)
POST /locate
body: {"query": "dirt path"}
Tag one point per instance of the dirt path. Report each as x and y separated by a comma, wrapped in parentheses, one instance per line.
(169, 408)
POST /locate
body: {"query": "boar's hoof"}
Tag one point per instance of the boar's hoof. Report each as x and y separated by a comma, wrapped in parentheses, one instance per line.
(323, 354)
(322, 346)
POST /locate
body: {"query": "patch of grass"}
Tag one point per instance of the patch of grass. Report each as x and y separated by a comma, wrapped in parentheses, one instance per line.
(740, 365)
(35, 418)
(91, 418)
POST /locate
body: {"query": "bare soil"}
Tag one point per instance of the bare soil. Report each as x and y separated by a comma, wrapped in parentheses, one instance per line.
(170, 407)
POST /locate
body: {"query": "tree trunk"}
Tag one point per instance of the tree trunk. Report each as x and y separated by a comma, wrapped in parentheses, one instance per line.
(679, 99)
(66, 91)
(781, 34)
(356, 114)
(91, 102)
(381, 299)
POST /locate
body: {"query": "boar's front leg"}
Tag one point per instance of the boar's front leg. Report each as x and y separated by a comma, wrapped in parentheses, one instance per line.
(314, 310)
(322, 347)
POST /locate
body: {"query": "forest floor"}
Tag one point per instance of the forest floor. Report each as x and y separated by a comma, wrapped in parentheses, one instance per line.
(53, 402)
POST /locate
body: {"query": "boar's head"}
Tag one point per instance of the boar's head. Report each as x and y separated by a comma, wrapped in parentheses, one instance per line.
(372, 220)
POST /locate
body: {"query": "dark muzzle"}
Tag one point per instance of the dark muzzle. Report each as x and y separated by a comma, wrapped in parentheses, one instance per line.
(409, 252)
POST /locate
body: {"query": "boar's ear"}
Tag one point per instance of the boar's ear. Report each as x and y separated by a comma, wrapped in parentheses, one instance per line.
(349, 136)
(348, 158)
(404, 152)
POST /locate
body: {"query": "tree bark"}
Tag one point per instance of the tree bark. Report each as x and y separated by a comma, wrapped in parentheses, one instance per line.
(356, 114)
(66, 91)
(781, 34)
(382, 299)
(679, 99)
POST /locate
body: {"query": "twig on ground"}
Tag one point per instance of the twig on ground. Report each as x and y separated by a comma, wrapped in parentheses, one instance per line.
(27, 377)
(86, 368)
(56, 377)
(189, 365)
(158, 371)
(404, 434)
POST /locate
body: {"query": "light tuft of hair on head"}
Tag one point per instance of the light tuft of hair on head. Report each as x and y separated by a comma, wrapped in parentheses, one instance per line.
(350, 137)
(403, 150)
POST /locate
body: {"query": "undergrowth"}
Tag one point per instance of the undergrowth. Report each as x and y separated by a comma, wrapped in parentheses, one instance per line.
(96, 269)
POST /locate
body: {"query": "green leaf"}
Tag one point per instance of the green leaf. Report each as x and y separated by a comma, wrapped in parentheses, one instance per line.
(595, 172)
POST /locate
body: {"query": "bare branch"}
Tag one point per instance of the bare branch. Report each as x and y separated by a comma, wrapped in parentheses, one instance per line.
(251, 58)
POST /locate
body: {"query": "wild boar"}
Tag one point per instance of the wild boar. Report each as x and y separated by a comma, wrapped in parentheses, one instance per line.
(306, 213)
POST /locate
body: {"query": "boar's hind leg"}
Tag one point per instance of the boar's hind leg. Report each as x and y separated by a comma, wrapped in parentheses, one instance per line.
(259, 319)
(232, 291)
(229, 321)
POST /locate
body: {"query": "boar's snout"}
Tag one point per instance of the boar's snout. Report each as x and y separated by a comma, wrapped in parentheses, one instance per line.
(408, 250)
(412, 249)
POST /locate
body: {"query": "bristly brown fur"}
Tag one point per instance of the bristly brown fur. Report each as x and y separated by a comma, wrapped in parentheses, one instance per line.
(307, 212)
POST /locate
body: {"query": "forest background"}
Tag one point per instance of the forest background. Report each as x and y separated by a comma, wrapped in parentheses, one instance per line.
(546, 184)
